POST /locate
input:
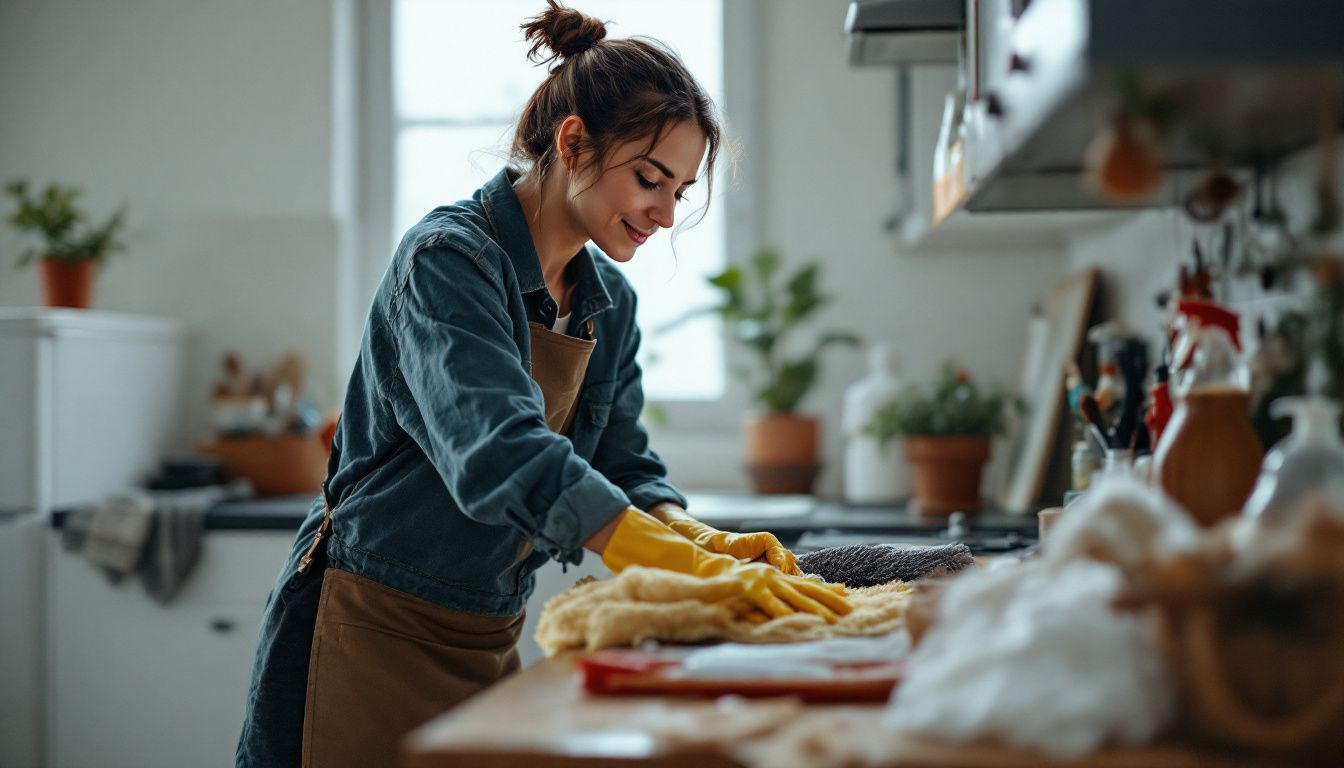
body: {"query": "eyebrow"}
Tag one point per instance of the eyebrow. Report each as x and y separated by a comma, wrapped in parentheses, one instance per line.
(667, 171)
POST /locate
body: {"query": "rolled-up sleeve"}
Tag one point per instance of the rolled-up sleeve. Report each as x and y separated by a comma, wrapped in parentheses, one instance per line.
(623, 454)
(475, 411)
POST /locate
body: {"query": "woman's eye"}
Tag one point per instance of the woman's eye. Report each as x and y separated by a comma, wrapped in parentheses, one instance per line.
(645, 183)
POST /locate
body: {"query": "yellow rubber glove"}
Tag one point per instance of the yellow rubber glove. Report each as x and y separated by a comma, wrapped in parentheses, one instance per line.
(743, 546)
(640, 539)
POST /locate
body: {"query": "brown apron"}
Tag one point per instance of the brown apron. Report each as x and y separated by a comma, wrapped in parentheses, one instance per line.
(384, 661)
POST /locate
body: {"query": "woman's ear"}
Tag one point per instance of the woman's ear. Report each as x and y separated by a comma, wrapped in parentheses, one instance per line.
(569, 137)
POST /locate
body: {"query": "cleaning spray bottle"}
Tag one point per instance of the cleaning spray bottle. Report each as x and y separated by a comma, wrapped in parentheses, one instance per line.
(873, 475)
(1209, 456)
(1309, 462)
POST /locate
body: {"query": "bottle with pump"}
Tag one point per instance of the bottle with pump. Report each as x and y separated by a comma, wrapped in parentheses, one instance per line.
(872, 475)
(1209, 456)
(1309, 462)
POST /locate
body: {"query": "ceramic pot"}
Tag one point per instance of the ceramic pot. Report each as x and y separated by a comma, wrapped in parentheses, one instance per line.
(276, 465)
(947, 472)
(782, 452)
(67, 283)
(1209, 457)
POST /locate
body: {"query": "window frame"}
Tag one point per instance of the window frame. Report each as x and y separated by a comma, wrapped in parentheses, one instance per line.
(377, 149)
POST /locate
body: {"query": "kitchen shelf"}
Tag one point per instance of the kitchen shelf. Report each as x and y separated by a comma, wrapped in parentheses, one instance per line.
(1247, 80)
(964, 230)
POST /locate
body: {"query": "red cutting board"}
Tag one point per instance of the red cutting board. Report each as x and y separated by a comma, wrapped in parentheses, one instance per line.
(625, 672)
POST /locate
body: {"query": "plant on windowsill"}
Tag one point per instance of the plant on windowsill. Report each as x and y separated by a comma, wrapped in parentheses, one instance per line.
(946, 430)
(71, 250)
(760, 308)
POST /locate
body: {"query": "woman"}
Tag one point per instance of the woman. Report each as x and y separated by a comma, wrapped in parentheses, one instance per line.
(492, 422)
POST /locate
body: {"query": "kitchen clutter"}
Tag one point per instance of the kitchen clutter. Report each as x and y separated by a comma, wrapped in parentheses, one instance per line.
(266, 431)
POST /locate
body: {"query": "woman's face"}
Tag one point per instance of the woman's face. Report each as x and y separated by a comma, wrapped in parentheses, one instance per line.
(638, 193)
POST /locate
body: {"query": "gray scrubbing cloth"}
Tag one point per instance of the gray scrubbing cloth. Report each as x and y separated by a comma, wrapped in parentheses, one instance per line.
(867, 565)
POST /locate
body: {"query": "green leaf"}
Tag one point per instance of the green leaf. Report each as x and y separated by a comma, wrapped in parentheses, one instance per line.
(766, 263)
(803, 298)
(794, 380)
(53, 216)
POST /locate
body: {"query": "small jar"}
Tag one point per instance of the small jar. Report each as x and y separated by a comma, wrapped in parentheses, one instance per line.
(1084, 463)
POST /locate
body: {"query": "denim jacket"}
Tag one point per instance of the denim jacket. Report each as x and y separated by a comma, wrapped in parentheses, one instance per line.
(446, 482)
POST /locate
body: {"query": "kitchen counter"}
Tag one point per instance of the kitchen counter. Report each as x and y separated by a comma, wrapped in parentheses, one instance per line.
(281, 513)
(541, 718)
(815, 523)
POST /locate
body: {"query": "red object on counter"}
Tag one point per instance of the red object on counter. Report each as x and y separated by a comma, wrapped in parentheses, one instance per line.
(1159, 406)
(624, 672)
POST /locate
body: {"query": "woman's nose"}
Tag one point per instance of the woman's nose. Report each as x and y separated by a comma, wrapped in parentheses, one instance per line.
(663, 213)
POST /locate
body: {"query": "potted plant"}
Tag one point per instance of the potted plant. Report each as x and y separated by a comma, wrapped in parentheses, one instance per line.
(947, 430)
(71, 249)
(761, 309)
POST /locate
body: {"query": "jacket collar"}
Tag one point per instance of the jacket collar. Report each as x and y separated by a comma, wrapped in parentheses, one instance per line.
(506, 217)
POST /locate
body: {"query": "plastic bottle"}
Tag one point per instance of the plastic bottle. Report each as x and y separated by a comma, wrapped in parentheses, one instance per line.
(1310, 461)
(873, 474)
(1209, 455)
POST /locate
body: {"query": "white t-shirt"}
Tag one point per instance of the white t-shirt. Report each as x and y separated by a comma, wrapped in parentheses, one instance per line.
(561, 325)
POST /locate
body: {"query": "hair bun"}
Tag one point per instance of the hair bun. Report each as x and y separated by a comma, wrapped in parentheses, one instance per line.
(565, 31)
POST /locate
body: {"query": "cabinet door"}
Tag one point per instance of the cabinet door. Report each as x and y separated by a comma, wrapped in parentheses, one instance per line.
(141, 685)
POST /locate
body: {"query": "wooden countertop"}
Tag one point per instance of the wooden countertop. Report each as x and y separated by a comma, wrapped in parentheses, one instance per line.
(541, 718)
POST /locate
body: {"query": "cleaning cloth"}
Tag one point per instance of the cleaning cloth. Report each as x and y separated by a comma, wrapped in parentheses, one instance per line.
(642, 604)
(155, 534)
(867, 565)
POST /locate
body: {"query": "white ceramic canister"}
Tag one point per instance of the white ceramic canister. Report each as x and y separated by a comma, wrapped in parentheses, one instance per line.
(873, 474)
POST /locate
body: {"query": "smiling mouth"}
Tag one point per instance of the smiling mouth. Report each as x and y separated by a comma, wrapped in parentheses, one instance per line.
(635, 234)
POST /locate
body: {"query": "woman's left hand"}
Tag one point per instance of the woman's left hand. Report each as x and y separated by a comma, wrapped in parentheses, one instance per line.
(743, 546)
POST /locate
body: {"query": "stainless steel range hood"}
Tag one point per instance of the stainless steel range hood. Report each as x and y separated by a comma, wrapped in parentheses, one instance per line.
(904, 31)
(1246, 78)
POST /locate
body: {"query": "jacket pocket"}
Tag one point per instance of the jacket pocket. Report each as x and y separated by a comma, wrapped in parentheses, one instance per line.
(594, 412)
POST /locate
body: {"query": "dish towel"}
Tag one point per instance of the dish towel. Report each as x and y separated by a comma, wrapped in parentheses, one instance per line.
(156, 534)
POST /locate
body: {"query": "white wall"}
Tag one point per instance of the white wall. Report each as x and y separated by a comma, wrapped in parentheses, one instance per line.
(215, 125)
(825, 159)
(212, 123)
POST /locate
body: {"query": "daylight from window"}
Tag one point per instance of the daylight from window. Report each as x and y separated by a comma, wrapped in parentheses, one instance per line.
(461, 77)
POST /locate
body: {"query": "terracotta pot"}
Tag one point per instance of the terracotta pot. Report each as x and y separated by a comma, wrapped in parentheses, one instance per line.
(277, 465)
(947, 472)
(782, 452)
(67, 283)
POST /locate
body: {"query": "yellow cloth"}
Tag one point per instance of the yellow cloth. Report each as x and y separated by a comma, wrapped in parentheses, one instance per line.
(653, 604)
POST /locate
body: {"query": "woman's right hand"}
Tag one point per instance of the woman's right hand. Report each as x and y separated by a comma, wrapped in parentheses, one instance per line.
(640, 539)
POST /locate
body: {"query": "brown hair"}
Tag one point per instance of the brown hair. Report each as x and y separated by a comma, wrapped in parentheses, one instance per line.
(622, 90)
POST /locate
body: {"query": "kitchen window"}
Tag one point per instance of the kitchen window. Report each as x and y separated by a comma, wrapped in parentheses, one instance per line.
(460, 77)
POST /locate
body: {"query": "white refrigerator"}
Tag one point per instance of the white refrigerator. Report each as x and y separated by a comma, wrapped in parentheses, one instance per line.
(90, 401)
